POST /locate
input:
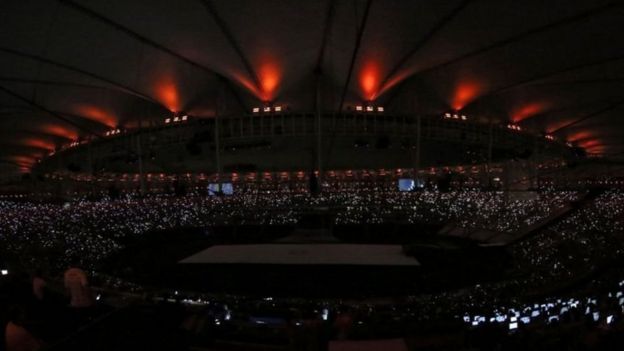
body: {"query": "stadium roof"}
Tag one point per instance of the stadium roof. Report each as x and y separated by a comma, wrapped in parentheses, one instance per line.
(70, 68)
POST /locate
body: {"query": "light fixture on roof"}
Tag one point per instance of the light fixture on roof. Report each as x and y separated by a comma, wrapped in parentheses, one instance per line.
(369, 108)
(457, 116)
(268, 107)
(549, 137)
(113, 132)
(177, 118)
(514, 127)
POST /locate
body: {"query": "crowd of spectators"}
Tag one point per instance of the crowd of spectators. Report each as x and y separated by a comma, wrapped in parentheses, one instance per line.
(93, 230)
(530, 309)
(573, 250)
(580, 242)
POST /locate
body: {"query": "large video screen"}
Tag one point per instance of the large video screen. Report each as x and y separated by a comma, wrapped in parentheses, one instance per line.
(216, 189)
(407, 184)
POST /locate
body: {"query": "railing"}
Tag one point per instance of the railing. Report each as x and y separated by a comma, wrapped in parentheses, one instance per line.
(241, 132)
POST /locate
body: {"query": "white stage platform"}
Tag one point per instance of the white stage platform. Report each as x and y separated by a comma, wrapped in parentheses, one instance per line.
(304, 254)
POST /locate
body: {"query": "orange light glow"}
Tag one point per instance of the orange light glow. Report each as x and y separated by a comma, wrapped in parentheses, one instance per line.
(590, 144)
(465, 92)
(247, 84)
(393, 81)
(39, 143)
(96, 114)
(270, 77)
(60, 131)
(596, 149)
(168, 94)
(580, 136)
(369, 78)
(23, 160)
(556, 125)
(528, 110)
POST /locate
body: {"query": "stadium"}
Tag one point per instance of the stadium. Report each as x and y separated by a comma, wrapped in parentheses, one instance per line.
(311, 175)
